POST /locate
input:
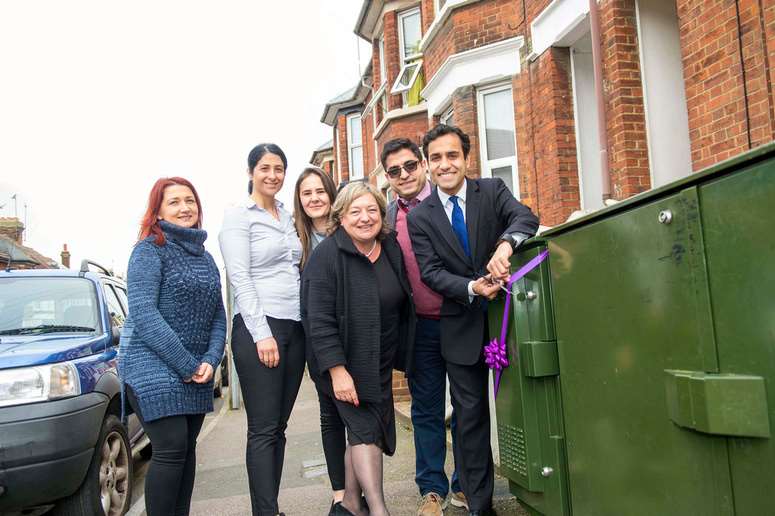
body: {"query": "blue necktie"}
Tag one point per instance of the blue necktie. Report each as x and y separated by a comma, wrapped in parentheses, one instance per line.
(459, 225)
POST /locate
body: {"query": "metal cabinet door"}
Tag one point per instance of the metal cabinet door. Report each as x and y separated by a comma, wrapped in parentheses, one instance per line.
(631, 301)
(530, 435)
(737, 217)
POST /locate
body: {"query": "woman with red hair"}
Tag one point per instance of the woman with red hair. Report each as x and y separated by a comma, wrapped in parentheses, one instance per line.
(172, 340)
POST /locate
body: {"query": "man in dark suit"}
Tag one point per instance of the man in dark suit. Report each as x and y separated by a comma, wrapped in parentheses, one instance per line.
(463, 235)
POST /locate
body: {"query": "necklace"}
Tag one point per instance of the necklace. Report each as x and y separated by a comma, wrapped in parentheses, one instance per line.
(372, 249)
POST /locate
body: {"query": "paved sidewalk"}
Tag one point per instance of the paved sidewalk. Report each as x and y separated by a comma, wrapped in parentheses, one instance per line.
(221, 483)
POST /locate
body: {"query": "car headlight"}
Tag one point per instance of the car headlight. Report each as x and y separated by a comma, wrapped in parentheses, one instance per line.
(40, 383)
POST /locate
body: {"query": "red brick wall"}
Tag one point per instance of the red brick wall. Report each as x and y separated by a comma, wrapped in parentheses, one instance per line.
(335, 150)
(392, 60)
(465, 117)
(400, 387)
(626, 122)
(473, 26)
(369, 160)
(413, 127)
(341, 137)
(728, 94)
(546, 141)
(426, 14)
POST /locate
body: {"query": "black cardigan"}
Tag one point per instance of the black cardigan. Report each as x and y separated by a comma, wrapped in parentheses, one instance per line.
(340, 312)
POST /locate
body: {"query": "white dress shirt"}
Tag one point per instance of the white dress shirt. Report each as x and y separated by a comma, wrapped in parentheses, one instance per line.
(262, 257)
(448, 207)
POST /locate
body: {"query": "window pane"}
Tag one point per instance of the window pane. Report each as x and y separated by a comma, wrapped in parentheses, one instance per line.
(446, 118)
(356, 162)
(116, 311)
(412, 33)
(499, 124)
(505, 174)
(354, 131)
(382, 69)
(405, 79)
(34, 302)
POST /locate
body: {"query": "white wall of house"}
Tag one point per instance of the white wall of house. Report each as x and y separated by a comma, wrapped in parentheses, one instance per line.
(664, 97)
(585, 116)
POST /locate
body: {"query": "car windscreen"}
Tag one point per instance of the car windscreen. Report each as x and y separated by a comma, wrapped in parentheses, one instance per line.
(36, 305)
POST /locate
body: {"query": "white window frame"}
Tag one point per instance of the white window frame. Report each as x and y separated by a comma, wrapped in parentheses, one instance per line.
(487, 164)
(447, 116)
(382, 64)
(436, 6)
(351, 146)
(401, 43)
(400, 88)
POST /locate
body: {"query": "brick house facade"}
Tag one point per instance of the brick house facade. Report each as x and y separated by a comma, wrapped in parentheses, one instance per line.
(685, 84)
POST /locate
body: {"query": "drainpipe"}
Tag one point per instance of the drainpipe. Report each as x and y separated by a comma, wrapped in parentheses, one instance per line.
(597, 59)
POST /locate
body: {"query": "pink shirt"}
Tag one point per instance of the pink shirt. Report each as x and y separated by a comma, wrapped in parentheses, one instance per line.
(427, 302)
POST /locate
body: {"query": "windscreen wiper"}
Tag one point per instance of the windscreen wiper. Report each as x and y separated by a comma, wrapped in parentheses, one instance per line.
(46, 328)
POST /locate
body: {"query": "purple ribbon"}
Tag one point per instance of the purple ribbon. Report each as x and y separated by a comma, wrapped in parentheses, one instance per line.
(495, 355)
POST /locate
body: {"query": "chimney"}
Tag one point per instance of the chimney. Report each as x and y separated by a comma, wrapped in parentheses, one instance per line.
(65, 256)
(12, 228)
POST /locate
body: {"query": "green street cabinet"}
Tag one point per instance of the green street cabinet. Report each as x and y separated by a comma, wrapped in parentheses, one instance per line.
(642, 374)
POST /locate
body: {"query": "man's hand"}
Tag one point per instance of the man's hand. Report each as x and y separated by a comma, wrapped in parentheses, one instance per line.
(344, 387)
(268, 353)
(499, 263)
(203, 374)
(486, 288)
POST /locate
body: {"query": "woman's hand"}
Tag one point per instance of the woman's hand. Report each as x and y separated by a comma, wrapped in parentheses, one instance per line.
(268, 353)
(203, 374)
(344, 388)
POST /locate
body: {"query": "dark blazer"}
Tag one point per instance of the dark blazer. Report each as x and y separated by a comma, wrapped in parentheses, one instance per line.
(491, 212)
(340, 312)
(392, 213)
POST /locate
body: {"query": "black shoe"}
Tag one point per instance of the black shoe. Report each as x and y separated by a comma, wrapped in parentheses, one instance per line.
(331, 510)
(483, 512)
(338, 509)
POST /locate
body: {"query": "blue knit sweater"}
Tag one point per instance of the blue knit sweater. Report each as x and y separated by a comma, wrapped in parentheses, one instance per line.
(176, 321)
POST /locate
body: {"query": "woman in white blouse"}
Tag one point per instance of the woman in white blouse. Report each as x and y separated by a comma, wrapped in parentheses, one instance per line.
(262, 252)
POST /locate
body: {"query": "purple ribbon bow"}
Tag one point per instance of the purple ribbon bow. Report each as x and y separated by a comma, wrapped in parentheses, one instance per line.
(495, 355)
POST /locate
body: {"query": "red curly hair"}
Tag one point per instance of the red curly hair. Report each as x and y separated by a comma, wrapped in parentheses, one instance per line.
(149, 225)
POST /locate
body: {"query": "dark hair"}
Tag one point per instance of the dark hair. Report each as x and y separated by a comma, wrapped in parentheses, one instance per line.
(301, 219)
(443, 129)
(257, 153)
(396, 145)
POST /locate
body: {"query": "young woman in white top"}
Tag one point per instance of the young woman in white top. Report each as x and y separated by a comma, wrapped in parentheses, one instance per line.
(262, 253)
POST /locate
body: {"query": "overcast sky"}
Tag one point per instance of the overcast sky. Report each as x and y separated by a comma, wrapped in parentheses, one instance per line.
(99, 99)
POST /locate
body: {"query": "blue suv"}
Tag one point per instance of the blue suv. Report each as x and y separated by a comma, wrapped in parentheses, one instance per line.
(62, 442)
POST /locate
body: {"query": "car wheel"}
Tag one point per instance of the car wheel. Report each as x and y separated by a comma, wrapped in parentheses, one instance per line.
(107, 488)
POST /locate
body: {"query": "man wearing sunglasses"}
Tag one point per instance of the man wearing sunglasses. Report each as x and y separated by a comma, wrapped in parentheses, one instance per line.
(406, 172)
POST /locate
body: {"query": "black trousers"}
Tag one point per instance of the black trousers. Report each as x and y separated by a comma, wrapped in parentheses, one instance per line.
(332, 431)
(170, 479)
(473, 455)
(269, 394)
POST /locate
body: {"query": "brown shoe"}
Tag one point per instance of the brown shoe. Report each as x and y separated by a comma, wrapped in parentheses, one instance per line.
(431, 505)
(458, 499)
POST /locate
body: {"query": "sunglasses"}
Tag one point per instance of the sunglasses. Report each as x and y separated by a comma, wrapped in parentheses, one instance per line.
(409, 166)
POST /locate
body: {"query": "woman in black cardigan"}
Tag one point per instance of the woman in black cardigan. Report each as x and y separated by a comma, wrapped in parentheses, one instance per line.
(359, 319)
